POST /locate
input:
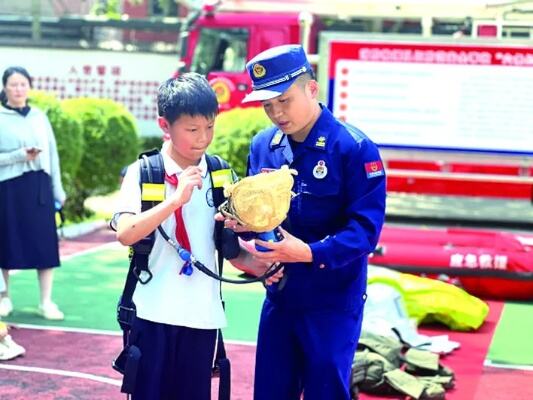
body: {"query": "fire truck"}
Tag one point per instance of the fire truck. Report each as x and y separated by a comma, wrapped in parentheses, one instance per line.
(444, 87)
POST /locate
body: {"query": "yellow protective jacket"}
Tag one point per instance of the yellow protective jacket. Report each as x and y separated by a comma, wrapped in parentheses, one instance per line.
(428, 300)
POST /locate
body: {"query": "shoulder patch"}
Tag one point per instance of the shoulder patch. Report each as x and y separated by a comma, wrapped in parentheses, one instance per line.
(374, 169)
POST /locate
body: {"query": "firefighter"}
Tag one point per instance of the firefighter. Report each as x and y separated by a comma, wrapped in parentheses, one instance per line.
(310, 326)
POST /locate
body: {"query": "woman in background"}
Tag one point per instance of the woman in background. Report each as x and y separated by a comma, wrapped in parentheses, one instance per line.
(30, 184)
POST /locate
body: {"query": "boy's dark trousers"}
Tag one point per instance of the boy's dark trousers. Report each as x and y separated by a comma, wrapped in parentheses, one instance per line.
(175, 361)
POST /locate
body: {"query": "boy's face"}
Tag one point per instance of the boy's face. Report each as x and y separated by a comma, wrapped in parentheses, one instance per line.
(190, 136)
(293, 111)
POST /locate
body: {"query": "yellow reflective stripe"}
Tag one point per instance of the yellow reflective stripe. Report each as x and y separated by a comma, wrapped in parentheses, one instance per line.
(153, 192)
(221, 176)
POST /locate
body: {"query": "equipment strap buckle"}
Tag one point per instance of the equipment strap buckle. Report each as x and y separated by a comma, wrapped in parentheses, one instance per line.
(126, 315)
(143, 275)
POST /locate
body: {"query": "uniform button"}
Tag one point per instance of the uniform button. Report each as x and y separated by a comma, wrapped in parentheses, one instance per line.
(322, 266)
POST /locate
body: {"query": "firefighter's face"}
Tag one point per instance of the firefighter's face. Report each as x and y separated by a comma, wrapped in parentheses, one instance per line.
(190, 136)
(294, 112)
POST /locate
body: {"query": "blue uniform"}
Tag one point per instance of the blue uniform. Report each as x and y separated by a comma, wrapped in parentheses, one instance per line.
(309, 328)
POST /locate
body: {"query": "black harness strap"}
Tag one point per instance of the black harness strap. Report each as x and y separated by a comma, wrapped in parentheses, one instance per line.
(222, 364)
(151, 171)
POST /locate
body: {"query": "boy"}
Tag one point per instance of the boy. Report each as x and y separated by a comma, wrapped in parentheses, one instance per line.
(178, 314)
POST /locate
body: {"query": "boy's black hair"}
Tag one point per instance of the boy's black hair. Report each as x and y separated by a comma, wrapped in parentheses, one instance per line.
(7, 73)
(188, 94)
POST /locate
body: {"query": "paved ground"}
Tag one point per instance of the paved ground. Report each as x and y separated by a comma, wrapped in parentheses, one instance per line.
(483, 211)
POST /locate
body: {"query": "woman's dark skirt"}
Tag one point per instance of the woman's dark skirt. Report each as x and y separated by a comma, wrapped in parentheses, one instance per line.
(28, 235)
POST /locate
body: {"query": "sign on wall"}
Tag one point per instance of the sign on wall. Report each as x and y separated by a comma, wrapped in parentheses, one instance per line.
(128, 78)
(435, 96)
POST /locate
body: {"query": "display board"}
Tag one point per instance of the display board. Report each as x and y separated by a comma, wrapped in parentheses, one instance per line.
(464, 96)
(126, 77)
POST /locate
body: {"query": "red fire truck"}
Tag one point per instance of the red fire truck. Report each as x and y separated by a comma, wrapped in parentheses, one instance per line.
(450, 109)
(446, 97)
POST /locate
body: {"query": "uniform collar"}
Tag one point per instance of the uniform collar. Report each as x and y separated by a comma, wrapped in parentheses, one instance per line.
(172, 168)
(279, 139)
(317, 138)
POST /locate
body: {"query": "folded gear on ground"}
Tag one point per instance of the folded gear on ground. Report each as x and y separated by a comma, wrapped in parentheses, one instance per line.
(385, 366)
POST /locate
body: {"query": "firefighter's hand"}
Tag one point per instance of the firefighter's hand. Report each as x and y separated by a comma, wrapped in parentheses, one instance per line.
(189, 179)
(289, 249)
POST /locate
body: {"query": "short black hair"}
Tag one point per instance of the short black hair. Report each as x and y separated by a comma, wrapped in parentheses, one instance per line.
(11, 71)
(188, 94)
(304, 78)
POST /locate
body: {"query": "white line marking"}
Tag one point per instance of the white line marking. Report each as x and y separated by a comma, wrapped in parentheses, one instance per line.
(92, 250)
(61, 372)
(105, 332)
(240, 342)
(66, 329)
(489, 363)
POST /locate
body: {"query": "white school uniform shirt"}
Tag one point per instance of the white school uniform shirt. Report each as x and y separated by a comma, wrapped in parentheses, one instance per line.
(170, 298)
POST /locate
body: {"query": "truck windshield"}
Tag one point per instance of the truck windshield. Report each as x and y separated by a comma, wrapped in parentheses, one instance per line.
(220, 50)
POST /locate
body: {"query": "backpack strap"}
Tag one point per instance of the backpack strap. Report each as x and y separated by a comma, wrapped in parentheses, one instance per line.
(152, 177)
(226, 243)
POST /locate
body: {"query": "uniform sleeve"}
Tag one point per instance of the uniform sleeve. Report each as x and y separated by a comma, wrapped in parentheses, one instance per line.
(129, 197)
(365, 212)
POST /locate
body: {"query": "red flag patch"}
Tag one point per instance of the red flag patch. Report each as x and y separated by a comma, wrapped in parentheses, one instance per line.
(374, 169)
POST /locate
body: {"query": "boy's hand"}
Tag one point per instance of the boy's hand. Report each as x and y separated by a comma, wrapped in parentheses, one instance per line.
(231, 223)
(190, 178)
(274, 278)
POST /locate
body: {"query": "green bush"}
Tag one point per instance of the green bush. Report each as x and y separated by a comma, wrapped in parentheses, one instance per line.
(111, 142)
(150, 143)
(68, 134)
(234, 130)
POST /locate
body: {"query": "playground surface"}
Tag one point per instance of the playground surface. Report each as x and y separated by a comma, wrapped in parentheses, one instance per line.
(71, 359)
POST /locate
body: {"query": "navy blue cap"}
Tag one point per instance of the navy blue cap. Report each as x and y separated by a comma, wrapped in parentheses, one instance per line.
(274, 70)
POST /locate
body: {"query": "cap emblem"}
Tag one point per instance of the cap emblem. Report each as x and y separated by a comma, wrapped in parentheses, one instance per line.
(259, 71)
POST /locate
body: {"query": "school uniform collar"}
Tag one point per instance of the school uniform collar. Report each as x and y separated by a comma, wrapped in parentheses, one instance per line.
(172, 168)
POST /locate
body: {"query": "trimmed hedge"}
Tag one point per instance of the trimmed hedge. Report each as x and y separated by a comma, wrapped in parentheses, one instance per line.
(234, 131)
(111, 142)
(150, 143)
(68, 134)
